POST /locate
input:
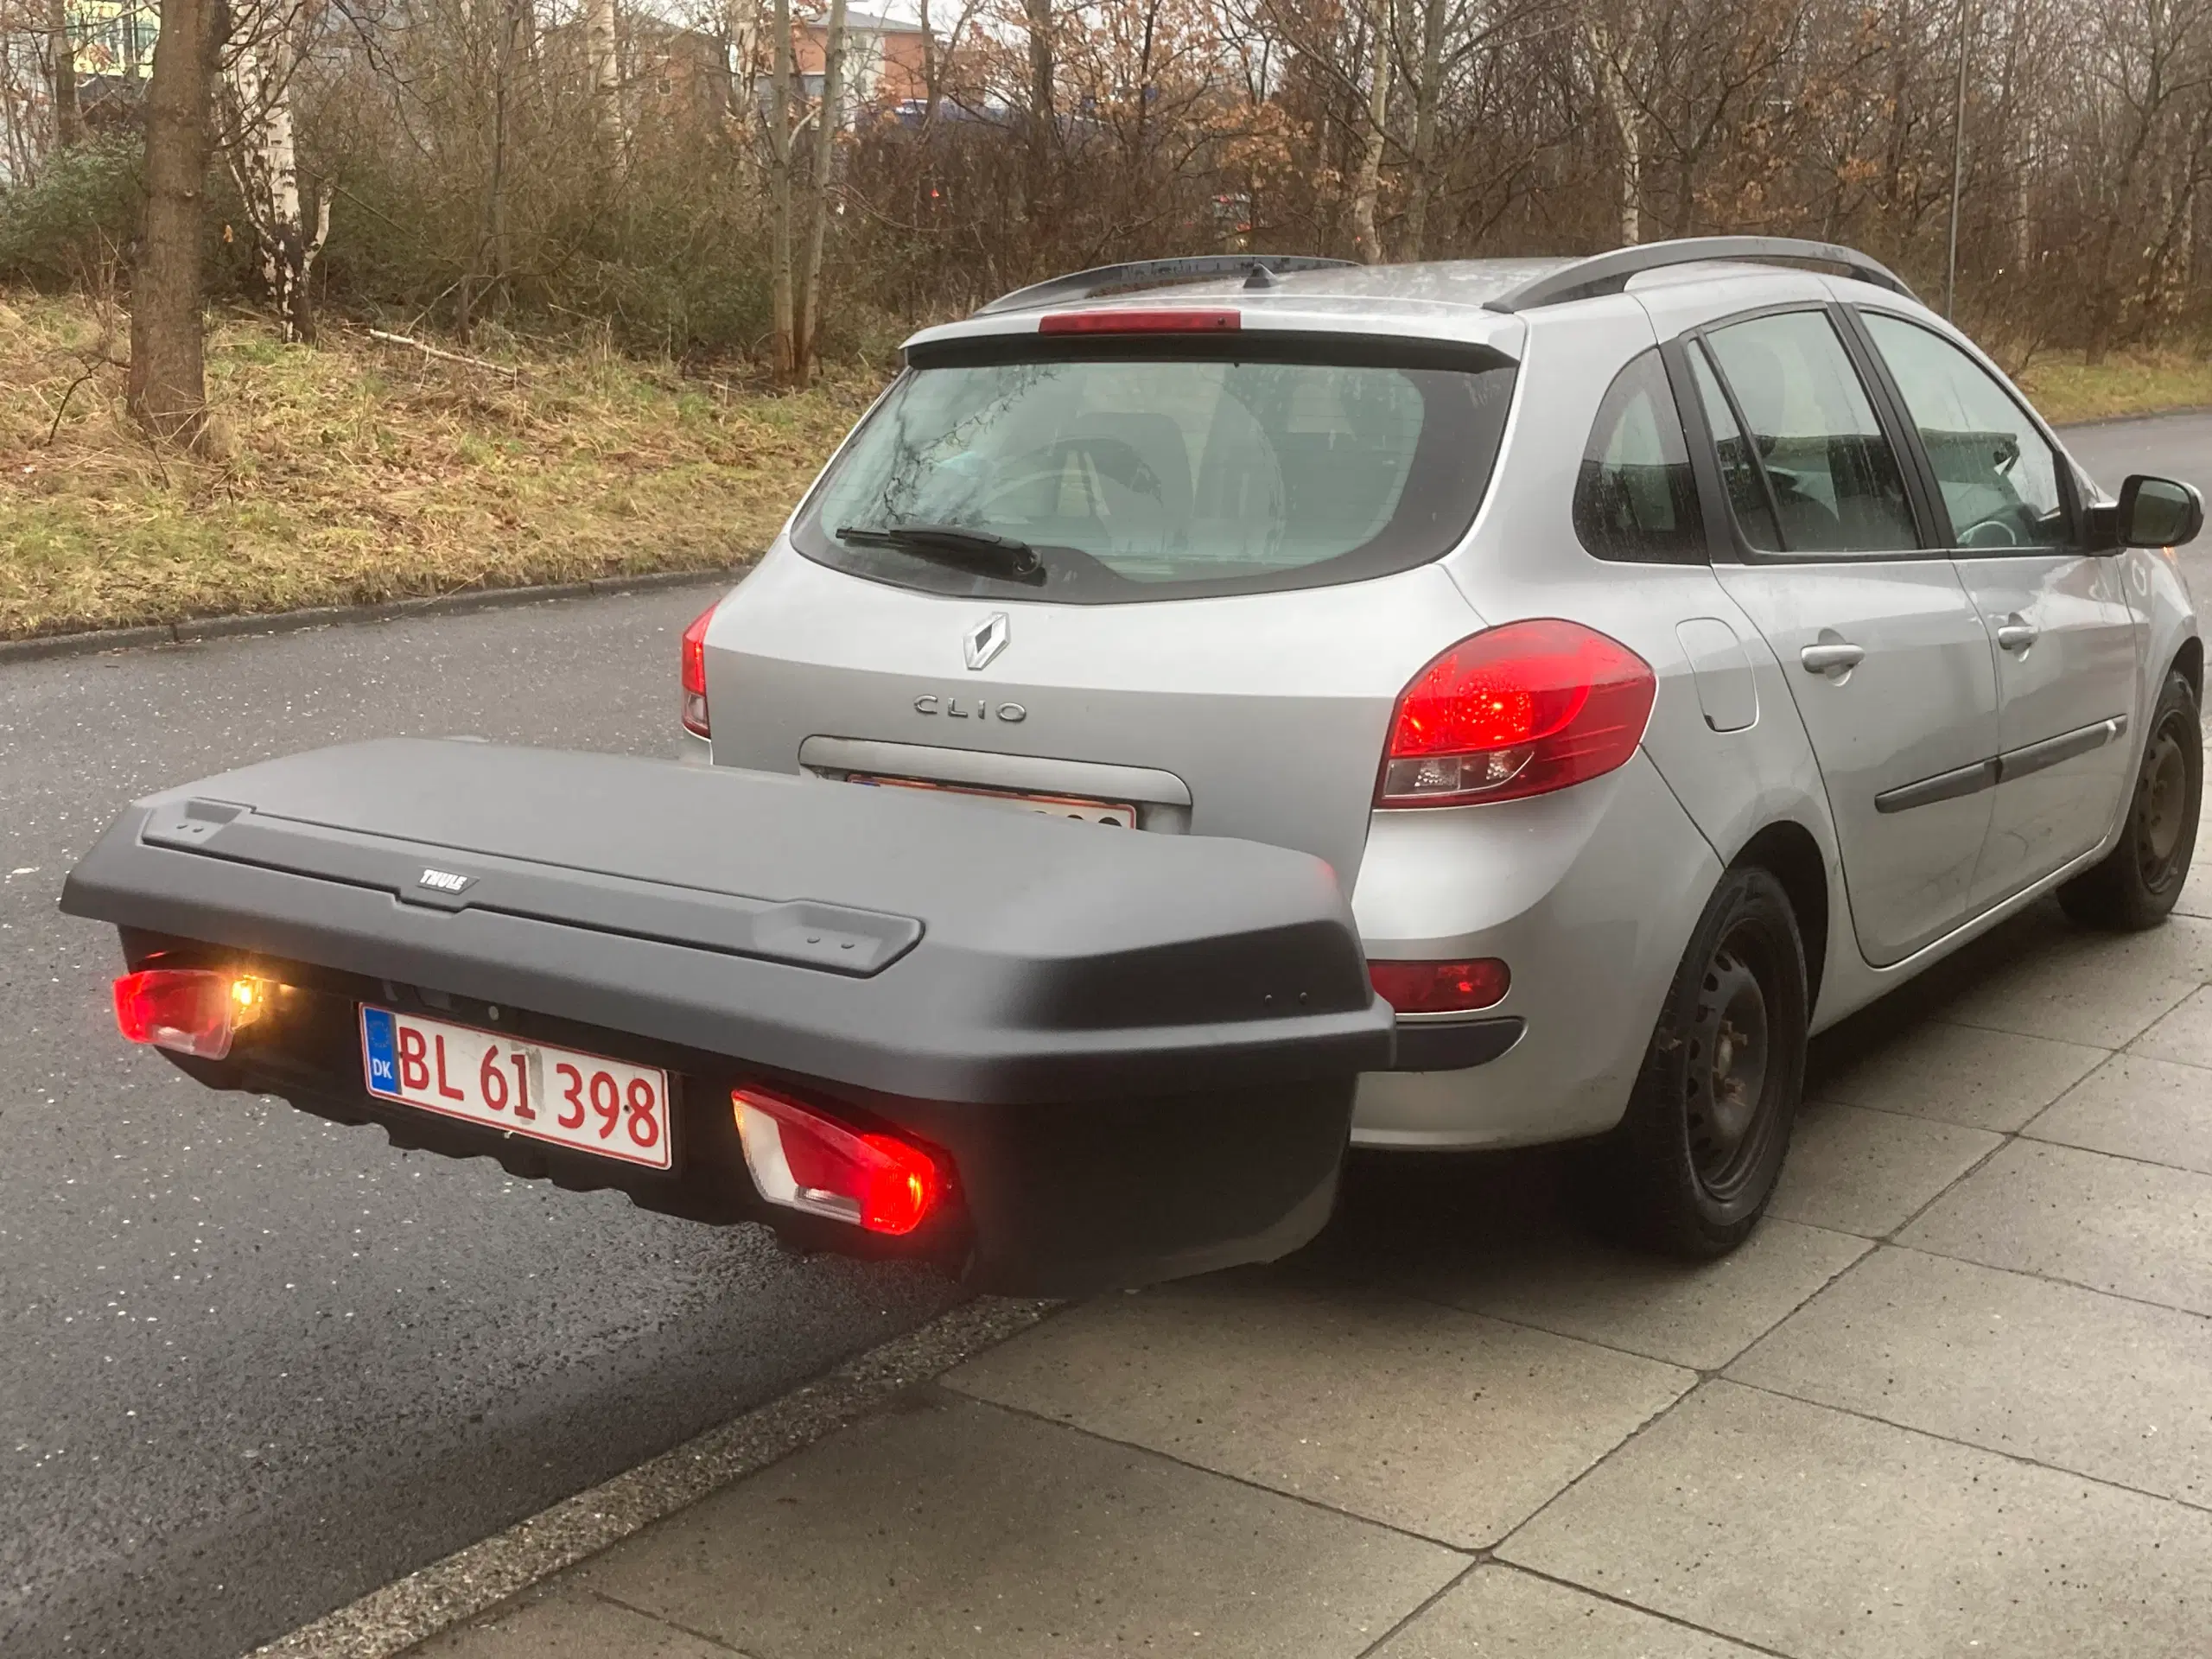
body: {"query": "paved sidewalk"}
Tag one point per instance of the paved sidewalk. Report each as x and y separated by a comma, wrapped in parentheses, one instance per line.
(1956, 1397)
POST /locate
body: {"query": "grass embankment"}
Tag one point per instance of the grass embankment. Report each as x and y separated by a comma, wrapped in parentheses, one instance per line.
(2065, 388)
(358, 471)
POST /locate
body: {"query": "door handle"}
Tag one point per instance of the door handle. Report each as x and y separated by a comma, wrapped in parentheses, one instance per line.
(1832, 658)
(2016, 633)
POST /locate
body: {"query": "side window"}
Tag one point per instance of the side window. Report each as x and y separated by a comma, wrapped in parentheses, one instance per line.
(1635, 498)
(1999, 479)
(1831, 473)
(1739, 468)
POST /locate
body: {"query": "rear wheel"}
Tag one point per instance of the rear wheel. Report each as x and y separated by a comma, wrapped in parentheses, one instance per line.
(1695, 1160)
(2136, 884)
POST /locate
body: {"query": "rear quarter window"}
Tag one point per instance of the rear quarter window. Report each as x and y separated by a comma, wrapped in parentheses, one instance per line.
(1635, 500)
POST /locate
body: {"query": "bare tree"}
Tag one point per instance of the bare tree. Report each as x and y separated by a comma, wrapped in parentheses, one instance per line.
(1043, 116)
(1368, 185)
(261, 145)
(606, 71)
(68, 119)
(784, 346)
(1608, 41)
(828, 122)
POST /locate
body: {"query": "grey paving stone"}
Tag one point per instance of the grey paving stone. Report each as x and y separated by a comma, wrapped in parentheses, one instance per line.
(955, 1528)
(2136, 1229)
(1865, 1172)
(1829, 1536)
(2107, 1387)
(2183, 1034)
(2101, 994)
(2196, 893)
(1497, 1612)
(1699, 1314)
(567, 1624)
(1963, 1074)
(2156, 1110)
(1428, 1418)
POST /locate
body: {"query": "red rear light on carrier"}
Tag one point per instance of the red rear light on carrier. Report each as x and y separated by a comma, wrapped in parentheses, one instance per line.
(1138, 323)
(1440, 987)
(694, 672)
(1517, 710)
(188, 1010)
(803, 1161)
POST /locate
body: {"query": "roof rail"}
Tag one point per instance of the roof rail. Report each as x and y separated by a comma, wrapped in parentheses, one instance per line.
(1154, 273)
(1608, 273)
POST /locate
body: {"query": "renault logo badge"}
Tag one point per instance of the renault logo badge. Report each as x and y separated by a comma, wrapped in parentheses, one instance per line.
(985, 640)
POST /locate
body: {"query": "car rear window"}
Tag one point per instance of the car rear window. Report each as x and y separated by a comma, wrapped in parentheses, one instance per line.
(1169, 474)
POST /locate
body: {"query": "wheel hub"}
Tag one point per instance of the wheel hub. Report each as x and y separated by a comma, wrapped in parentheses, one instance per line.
(2160, 799)
(1729, 1056)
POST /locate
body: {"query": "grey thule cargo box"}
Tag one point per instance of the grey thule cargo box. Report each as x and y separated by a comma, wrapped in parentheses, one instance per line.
(1056, 1055)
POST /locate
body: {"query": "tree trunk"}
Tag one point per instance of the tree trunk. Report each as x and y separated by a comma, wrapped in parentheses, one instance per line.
(166, 391)
(829, 120)
(499, 243)
(782, 347)
(1367, 243)
(1426, 95)
(606, 72)
(933, 68)
(1044, 121)
(68, 120)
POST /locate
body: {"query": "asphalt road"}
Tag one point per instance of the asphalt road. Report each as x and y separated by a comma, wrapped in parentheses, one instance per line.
(2169, 445)
(253, 1365)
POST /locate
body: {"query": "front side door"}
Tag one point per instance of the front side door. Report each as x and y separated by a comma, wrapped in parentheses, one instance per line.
(2063, 637)
(1883, 653)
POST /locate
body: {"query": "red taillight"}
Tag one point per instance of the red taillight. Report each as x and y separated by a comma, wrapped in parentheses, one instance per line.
(694, 672)
(1516, 710)
(1440, 987)
(806, 1162)
(1138, 322)
(186, 1010)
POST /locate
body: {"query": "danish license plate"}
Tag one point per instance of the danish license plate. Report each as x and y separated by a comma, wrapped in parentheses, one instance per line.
(586, 1102)
(1120, 814)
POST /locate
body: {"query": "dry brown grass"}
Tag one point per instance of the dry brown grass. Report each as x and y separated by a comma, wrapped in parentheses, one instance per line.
(2066, 388)
(358, 471)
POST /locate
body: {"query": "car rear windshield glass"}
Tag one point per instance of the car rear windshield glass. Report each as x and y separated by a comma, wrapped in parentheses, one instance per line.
(1160, 477)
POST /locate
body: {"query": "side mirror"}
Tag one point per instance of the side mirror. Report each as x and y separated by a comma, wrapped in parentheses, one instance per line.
(2158, 512)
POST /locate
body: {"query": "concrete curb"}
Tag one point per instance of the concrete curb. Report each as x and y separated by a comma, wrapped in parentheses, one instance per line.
(194, 629)
(2130, 420)
(473, 1580)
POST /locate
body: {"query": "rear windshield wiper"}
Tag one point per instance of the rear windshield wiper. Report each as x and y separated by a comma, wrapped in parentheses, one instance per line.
(963, 550)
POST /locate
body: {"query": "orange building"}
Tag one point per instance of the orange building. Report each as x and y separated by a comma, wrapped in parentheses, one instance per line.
(883, 62)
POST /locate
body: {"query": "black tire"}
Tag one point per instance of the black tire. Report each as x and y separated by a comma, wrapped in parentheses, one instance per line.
(1690, 1167)
(2135, 884)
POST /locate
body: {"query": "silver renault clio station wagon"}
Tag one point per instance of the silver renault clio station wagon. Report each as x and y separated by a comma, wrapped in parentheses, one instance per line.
(1670, 652)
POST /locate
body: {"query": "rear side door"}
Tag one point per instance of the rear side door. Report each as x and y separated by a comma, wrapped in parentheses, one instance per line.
(2063, 634)
(1883, 653)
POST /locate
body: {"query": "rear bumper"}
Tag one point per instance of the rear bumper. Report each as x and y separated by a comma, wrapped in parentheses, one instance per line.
(1589, 896)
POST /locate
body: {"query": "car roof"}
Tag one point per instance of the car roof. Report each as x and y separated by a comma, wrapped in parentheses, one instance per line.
(1449, 299)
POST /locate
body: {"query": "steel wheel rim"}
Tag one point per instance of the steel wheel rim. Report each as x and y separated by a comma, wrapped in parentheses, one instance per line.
(2161, 806)
(1731, 1072)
